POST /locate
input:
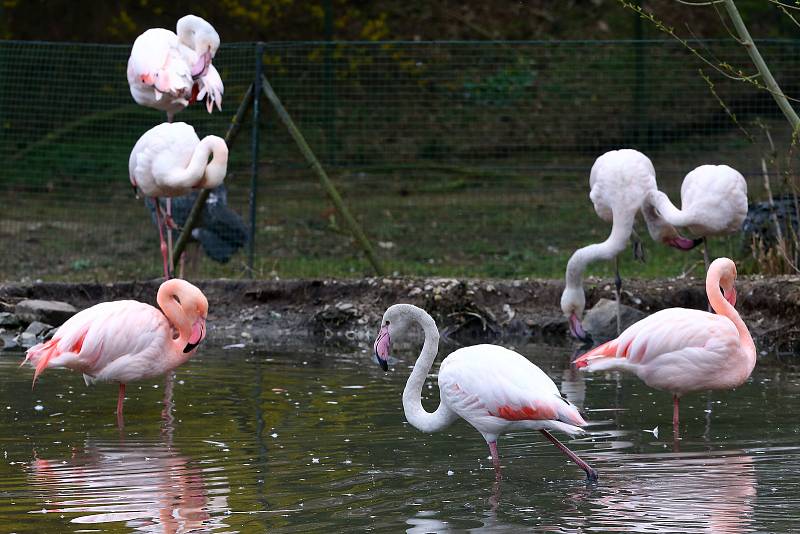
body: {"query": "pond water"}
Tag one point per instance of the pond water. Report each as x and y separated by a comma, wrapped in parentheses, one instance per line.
(317, 442)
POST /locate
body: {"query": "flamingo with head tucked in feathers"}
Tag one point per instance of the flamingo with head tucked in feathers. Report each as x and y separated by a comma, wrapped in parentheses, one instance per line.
(169, 160)
(494, 389)
(619, 181)
(713, 203)
(682, 350)
(168, 71)
(127, 340)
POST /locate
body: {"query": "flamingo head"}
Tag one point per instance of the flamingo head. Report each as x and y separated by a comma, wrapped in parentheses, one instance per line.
(190, 320)
(201, 37)
(382, 346)
(573, 303)
(660, 230)
(727, 280)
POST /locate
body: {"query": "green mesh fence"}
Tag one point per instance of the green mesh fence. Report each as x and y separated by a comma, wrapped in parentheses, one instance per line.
(458, 158)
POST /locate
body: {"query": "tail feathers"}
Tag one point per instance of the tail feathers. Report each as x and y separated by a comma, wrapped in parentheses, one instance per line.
(568, 413)
(606, 350)
(40, 356)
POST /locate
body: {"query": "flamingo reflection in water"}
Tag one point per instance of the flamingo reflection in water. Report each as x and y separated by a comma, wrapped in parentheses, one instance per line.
(149, 486)
(694, 492)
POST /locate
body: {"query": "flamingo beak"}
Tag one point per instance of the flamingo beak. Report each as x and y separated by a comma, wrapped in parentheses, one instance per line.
(576, 328)
(730, 296)
(381, 348)
(683, 243)
(197, 335)
(200, 68)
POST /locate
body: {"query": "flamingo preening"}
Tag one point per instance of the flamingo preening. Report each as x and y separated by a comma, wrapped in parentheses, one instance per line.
(619, 180)
(127, 340)
(681, 350)
(494, 389)
(168, 71)
(169, 160)
(713, 203)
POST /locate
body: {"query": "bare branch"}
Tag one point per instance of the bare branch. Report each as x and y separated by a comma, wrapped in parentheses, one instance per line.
(709, 3)
(728, 110)
(781, 4)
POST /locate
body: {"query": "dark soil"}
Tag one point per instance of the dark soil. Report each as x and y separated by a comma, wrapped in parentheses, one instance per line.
(299, 313)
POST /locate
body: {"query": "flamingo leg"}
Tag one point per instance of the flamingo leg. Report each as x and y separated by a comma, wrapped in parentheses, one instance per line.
(120, 400)
(618, 294)
(160, 223)
(706, 257)
(495, 460)
(591, 474)
(675, 414)
(169, 223)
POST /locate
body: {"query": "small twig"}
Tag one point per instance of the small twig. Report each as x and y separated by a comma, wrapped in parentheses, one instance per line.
(730, 113)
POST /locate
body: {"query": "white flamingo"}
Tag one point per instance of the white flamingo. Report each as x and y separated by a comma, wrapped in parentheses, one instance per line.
(168, 71)
(713, 203)
(169, 160)
(619, 181)
(494, 389)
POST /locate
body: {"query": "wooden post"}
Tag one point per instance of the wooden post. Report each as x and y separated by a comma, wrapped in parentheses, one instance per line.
(352, 224)
(194, 215)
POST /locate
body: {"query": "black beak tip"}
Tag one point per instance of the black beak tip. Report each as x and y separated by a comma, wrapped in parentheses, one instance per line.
(697, 241)
(189, 347)
(383, 363)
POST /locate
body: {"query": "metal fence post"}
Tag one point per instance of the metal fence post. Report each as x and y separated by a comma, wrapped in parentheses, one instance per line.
(640, 134)
(254, 162)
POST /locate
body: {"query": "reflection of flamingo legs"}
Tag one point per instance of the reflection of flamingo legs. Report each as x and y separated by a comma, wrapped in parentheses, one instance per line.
(675, 431)
(166, 412)
(120, 400)
(495, 460)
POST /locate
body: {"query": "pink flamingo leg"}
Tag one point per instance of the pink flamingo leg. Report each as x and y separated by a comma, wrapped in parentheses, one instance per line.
(495, 460)
(120, 400)
(675, 414)
(591, 474)
(161, 223)
(169, 223)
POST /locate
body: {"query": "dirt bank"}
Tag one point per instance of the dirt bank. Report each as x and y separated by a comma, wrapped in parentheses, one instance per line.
(286, 313)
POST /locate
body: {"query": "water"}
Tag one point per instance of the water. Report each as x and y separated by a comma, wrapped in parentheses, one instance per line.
(317, 442)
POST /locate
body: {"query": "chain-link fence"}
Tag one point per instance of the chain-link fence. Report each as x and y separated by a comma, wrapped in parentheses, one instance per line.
(457, 158)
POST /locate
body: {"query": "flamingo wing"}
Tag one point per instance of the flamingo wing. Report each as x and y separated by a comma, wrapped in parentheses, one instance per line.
(491, 387)
(158, 153)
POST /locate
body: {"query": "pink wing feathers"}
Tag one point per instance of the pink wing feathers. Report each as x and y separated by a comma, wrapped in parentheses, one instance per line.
(94, 338)
(211, 88)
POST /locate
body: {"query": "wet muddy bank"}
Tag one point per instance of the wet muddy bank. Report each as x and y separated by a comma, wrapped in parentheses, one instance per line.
(302, 313)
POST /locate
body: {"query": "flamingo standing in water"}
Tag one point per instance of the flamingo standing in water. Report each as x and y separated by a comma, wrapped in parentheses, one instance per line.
(681, 350)
(494, 389)
(168, 71)
(127, 340)
(169, 160)
(619, 181)
(713, 203)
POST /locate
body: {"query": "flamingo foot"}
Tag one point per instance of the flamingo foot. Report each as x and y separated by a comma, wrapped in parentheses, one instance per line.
(591, 473)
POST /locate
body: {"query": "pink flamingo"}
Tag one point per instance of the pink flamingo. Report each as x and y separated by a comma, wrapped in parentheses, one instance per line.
(169, 160)
(681, 350)
(494, 389)
(168, 71)
(127, 340)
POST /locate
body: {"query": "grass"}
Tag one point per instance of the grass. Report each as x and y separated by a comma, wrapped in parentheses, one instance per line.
(423, 223)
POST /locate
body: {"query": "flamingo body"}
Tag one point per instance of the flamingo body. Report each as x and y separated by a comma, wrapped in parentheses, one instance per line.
(713, 201)
(497, 390)
(170, 160)
(494, 389)
(127, 340)
(168, 71)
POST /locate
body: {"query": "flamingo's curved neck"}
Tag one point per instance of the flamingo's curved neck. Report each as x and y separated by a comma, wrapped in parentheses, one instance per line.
(176, 317)
(621, 228)
(667, 210)
(195, 174)
(412, 394)
(724, 308)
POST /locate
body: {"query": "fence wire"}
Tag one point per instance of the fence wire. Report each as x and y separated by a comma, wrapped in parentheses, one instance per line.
(458, 158)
